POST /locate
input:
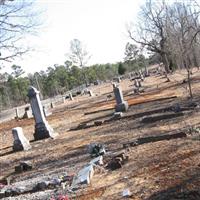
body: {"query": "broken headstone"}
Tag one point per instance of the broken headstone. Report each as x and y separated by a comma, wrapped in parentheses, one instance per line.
(84, 176)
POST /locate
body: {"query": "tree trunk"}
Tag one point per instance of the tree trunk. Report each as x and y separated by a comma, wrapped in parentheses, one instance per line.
(195, 60)
(189, 83)
(165, 62)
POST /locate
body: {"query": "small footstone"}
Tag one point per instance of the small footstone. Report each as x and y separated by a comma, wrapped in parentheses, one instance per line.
(20, 142)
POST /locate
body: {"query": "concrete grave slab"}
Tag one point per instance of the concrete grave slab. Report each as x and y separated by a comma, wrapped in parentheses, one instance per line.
(84, 176)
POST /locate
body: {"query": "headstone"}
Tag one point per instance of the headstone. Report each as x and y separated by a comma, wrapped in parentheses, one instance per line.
(71, 97)
(136, 84)
(118, 79)
(114, 85)
(63, 98)
(20, 142)
(142, 77)
(52, 105)
(17, 113)
(90, 93)
(28, 113)
(84, 176)
(46, 112)
(126, 193)
(139, 84)
(121, 105)
(42, 128)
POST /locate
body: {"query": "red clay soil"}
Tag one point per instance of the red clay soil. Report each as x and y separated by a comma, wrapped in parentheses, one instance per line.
(168, 169)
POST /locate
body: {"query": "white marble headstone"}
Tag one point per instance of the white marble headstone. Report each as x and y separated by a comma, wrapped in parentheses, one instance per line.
(20, 141)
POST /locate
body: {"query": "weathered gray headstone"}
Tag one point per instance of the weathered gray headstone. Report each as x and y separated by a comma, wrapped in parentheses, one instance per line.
(28, 113)
(52, 105)
(136, 84)
(42, 128)
(46, 112)
(90, 93)
(139, 84)
(122, 105)
(71, 97)
(17, 113)
(118, 79)
(20, 142)
(142, 77)
(114, 85)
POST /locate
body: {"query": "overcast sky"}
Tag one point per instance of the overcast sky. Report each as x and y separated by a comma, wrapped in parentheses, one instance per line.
(99, 24)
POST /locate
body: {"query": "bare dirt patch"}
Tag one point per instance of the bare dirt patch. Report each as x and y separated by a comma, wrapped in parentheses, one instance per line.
(168, 169)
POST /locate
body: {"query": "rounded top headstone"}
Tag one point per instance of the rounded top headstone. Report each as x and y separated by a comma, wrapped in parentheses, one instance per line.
(114, 85)
(32, 92)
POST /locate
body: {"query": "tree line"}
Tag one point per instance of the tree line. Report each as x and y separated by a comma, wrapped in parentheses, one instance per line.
(169, 31)
(56, 80)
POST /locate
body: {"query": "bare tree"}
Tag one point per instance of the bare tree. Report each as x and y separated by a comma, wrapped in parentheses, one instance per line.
(172, 31)
(78, 53)
(131, 52)
(149, 31)
(17, 19)
(183, 24)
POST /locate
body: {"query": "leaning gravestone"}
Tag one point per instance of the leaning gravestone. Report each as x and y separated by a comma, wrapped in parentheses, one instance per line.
(42, 128)
(122, 105)
(20, 142)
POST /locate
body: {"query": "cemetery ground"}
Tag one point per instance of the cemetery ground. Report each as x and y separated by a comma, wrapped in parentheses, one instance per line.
(162, 169)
